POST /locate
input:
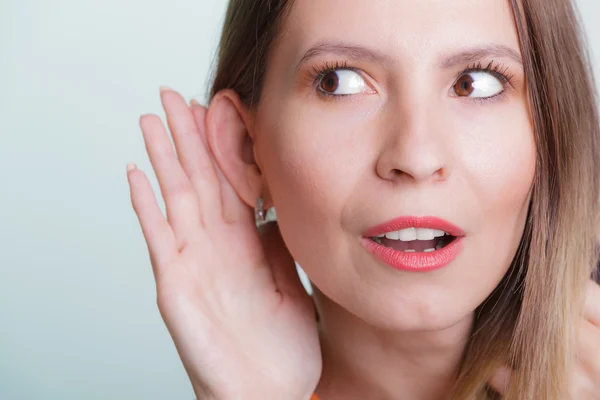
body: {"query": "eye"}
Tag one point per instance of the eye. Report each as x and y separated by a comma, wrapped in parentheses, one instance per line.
(478, 84)
(343, 82)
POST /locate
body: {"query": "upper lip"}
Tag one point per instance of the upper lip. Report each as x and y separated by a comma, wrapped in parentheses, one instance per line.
(404, 222)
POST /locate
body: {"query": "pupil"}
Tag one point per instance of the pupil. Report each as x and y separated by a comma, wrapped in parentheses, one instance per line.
(464, 86)
(330, 83)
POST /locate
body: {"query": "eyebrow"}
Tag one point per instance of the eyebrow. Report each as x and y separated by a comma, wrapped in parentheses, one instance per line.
(349, 50)
(473, 54)
(360, 53)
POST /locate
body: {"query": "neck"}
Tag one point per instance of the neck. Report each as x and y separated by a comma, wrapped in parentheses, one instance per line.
(362, 361)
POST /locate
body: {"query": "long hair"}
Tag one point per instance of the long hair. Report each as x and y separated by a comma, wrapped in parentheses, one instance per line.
(529, 321)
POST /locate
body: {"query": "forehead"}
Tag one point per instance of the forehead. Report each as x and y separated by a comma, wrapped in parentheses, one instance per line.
(404, 29)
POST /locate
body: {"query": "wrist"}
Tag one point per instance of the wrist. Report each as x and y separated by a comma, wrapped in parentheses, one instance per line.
(255, 394)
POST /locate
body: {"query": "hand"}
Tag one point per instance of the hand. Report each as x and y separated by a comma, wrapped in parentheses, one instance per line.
(585, 378)
(241, 321)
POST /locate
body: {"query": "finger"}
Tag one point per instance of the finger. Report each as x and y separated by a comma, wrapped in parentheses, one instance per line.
(180, 197)
(501, 379)
(192, 150)
(199, 114)
(592, 303)
(234, 209)
(282, 263)
(155, 228)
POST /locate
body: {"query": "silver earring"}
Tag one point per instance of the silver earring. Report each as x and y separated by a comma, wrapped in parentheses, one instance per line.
(262, 216)
(259, 212)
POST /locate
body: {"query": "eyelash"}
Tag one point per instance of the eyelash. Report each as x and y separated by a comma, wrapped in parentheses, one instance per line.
(317, 73)
(497, 70)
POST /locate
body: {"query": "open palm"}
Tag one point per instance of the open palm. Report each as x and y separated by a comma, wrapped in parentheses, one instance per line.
(230, 297)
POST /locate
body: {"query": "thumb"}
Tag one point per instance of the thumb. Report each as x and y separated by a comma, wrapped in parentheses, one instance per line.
(501, 379)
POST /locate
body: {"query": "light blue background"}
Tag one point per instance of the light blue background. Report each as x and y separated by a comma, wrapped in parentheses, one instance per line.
(78, 316)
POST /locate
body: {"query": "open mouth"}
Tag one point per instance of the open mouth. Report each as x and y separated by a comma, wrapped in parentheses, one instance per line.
(415, 240)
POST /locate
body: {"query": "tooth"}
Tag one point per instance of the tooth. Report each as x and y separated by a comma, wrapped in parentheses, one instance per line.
(424, 234)
(392, 235)
(439, 246)
(428, 250)
(438, 233)
(407, 235)
(410, 251)
(380, 236)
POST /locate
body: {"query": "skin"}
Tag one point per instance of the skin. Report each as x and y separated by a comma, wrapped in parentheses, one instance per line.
(423, 151)
(407, 137)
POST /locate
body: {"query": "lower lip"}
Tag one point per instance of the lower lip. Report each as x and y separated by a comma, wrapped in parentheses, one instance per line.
(418, 261)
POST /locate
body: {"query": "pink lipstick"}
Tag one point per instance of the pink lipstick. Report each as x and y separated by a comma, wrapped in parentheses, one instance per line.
(414, 243)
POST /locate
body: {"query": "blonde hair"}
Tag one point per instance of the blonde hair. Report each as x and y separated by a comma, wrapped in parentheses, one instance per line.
(530, 319)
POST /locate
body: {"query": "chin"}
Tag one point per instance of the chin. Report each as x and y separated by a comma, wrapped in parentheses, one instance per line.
(416, 316)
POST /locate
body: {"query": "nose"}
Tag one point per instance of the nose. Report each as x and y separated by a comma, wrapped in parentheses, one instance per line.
(413, 148)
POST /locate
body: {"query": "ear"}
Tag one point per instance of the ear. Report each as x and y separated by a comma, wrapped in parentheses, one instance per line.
(228, 131)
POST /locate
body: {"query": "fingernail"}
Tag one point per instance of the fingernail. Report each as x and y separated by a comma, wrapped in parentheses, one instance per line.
(165, 88)
(131, 167)
(194, 102)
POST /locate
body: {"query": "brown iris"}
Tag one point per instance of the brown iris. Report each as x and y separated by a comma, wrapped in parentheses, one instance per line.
(464, 85)
(330, 82)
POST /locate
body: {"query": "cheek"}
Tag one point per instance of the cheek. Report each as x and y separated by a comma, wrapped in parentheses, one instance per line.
(499, 156)
(312, 165)
(316, 157)
(320, 161)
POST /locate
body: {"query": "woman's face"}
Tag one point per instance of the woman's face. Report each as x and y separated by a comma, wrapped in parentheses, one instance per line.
(405, 120)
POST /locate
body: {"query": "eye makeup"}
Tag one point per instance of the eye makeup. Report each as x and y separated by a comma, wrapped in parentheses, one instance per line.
(496, 69)
(320, 71)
